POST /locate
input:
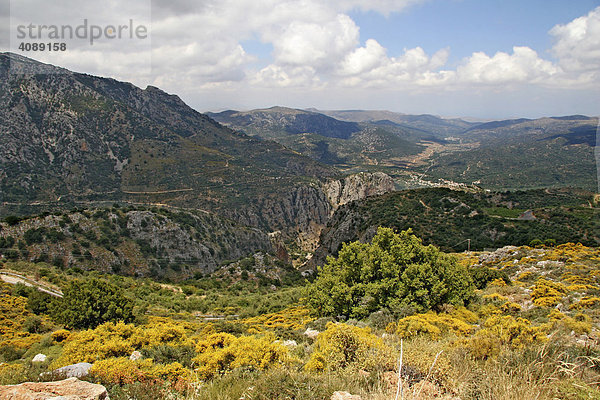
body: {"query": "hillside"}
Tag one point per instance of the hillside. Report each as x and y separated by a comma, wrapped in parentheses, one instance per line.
(134, 241)
(529, 330)
(448, 218)
(74, 139)
(521, 154)
(440, 127)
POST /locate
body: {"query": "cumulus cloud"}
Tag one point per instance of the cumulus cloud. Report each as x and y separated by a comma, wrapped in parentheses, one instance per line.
(577, 43)
(315, 45)
(523, 65)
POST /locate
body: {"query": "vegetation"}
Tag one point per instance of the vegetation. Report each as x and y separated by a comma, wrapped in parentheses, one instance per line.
(506, 343)
(395, 272)
(89, 303)
(457, 220)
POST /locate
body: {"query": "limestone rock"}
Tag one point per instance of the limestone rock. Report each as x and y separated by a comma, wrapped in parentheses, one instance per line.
(68, 389)
(345, 396)
(78, 370)
(311, 333)
(136, 355)
(39, 358)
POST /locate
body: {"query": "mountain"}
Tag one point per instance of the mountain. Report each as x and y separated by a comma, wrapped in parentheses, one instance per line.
(349, 146)
(272, 121)
(440, 127)
(75, 139)
(426, 150)
(521, 154)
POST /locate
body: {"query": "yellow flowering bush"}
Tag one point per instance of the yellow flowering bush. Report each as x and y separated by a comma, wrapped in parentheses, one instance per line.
(60, 335)
(117, 340)
(547, 293)
(222, 352)
(294, 318)
(579, 324)
(504, 330)
(346, 346)
(432, 325)
(586, 302)
(122, 370)
(11, 374)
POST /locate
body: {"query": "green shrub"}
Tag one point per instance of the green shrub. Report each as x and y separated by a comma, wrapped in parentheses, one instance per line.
(394, 271)
(89, 303)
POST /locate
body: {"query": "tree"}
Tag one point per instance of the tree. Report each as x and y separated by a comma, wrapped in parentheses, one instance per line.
(394, 271)
(87, 304)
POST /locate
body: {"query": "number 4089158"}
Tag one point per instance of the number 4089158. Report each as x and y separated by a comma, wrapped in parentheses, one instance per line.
(35, 46)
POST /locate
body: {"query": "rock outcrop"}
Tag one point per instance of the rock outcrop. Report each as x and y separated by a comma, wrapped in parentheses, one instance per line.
(357, 187)
(68, 389)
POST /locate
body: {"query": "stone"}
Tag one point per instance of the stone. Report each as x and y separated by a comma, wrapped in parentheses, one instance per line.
(311, 333)
(68, 389)
(344, 396)
(290, 343)
(39, 358)
(78, 370)
(136, 355)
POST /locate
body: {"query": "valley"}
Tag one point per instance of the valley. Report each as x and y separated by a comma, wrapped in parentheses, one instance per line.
(285, 253)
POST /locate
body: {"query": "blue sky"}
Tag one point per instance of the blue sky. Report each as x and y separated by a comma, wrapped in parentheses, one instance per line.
(478, 58)
(467, 26)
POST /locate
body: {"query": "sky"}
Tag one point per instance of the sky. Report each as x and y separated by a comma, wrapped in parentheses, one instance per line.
(486, 59)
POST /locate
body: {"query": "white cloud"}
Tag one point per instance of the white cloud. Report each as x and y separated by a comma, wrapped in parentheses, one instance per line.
(577, 47)
(316, 45)
(523, 65)
(363, 59)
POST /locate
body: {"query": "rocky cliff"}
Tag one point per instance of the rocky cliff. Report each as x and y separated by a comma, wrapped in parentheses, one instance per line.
(357, 187)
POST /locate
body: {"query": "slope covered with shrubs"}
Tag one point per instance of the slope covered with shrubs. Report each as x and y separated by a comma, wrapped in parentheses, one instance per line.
(526, 326)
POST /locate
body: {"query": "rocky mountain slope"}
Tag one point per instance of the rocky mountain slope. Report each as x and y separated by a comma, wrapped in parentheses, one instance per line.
(132, 241)
(69, 138)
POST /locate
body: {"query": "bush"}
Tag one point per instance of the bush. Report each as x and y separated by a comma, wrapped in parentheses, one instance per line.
(432, 325)
(34, 324)
(343, 346)
(504, 331)
(547, 293)
(222, 352)
(89, 303)
(483, 275)
(60, 335)
(395, 271)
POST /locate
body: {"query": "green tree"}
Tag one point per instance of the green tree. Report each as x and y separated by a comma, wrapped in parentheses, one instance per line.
(394, 271)
(87, 304)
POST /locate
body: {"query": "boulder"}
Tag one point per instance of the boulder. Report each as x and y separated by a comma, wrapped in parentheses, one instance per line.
(78, 370)
(345, 396)
(136, 355)
(39, 358)
(311, 333)
(290, 343)
(68, 389)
